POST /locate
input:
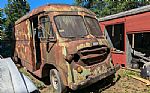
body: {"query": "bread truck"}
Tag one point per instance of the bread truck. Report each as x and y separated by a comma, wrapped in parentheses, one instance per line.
(64, 43)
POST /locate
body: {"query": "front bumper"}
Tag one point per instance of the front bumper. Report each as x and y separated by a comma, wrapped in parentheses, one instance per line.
(90, 80)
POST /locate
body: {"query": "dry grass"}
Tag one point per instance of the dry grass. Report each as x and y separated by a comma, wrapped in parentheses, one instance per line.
(124, 84)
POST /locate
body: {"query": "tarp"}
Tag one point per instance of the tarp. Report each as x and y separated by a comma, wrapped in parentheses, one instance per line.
(11, 80)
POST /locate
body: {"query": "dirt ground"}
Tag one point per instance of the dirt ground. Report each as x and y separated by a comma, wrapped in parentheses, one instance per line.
(127, 84)
(124, 84)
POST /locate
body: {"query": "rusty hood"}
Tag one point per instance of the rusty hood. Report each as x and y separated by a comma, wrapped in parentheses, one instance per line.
(72, 46)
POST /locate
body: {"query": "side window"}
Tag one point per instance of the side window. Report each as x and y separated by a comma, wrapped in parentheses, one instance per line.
(46, 27)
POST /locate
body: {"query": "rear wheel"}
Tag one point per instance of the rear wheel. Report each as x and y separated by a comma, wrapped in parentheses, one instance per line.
(15, 57)
(56, 81)
(17, 60)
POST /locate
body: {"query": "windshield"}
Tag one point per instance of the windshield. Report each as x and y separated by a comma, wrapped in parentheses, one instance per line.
(93, 26)
(70, 26)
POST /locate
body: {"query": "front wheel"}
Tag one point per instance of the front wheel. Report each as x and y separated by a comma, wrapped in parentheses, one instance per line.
(56, 81)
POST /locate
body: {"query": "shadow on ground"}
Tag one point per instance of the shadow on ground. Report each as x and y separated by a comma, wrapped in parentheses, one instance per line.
(99, 86)
(45, 87)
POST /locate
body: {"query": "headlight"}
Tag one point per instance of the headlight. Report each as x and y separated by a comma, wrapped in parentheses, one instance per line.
(79, 69)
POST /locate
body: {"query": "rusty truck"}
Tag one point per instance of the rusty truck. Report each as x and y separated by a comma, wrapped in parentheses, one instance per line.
(64, 43)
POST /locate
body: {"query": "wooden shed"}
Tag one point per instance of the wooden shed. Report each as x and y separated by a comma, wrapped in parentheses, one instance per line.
(129, 28)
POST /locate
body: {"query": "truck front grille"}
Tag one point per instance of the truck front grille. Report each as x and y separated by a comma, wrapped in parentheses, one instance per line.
(93, 55)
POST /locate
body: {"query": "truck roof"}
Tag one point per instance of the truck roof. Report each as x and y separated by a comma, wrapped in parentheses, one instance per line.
(126, 13)
(53, 8)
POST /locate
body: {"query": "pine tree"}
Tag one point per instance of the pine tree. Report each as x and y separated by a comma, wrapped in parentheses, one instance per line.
(2, 19)
(1, 24)
(14, 10)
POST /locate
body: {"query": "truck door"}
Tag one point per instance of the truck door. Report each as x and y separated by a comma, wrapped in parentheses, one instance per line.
(33, 40)
(44, 39)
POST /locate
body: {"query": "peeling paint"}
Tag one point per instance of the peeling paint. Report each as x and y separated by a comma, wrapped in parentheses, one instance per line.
(38, 52)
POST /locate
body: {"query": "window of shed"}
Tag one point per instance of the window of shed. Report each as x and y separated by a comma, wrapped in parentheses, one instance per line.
(116, 34)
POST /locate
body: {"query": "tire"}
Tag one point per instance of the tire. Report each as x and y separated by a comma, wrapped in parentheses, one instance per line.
(56, 81)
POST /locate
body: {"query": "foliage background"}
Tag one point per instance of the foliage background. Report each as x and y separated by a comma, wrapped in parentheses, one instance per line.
(108, 7)
(12, 11)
